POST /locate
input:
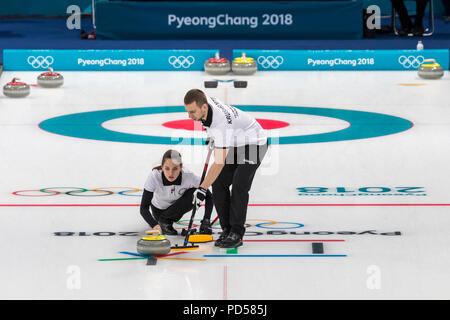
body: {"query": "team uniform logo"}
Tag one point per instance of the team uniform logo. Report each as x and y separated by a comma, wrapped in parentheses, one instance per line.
(270, 62)
(411, 61)
(40, 61)
(181, 61)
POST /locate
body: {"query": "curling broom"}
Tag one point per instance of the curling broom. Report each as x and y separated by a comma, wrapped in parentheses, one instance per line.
(185, 245)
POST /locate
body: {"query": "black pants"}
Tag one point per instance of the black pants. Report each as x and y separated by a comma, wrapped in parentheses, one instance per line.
(238, 172)
(399, 6)
(447, 7)
(184, 204)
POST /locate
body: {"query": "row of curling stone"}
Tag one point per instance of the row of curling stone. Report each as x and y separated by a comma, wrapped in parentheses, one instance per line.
(241, 65)
(18, 89)
(430, 70)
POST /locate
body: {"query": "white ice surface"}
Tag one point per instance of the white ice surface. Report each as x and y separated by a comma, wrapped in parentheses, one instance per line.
(414, 265)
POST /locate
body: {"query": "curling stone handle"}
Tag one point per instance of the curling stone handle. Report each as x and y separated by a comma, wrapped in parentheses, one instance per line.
(152, 232)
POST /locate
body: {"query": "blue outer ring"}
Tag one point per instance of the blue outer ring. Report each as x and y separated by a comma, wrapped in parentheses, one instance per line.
(363, 125)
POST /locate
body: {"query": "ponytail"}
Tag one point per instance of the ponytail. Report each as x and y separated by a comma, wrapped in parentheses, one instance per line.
(169, 154)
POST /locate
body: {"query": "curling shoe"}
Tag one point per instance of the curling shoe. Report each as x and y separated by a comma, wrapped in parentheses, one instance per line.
(222, 238)
(205, 227)
(233, 240)
(168, 229)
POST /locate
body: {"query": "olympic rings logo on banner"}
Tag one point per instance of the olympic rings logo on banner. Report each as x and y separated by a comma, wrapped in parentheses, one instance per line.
(40, 61)
(261, 223)
(79, 192)
(181, 61)
(411, 61)
(270, 62)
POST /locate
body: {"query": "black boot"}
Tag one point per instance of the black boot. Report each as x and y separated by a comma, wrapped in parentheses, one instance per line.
(233, 240)
(404, 32)
(205, 227)
(168, 229)
(222, 237)
(418, 31)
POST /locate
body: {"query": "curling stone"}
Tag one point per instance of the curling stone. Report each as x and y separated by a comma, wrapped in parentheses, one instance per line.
(430, 70)
(16, 89)
(217, 65)
(153, 245)
(50, 79)
(244, 65)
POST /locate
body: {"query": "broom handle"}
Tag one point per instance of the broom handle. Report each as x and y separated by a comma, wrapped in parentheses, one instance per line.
(205, 167)
(194, 208)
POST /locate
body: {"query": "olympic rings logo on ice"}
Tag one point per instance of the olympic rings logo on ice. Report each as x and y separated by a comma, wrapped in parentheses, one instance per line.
(411, 61)
(181, 61)
(40, 61)
(79, 192)
(270, 62)
(258, 223)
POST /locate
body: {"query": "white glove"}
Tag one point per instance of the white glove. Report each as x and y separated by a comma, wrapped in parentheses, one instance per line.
(198, 197)
(210, 142)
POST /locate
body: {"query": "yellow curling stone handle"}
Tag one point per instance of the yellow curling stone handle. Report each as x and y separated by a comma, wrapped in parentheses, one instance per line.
(430, 63)
(154, 238)
(244, 59)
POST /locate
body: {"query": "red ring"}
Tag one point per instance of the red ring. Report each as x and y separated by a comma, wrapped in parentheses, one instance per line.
(191, 125)
(16, 193)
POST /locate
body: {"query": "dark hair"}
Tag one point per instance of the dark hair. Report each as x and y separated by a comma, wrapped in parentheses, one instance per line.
(195, 95)
(169, 154)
